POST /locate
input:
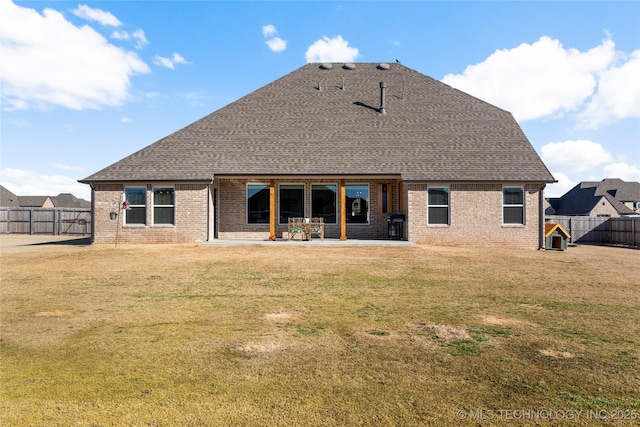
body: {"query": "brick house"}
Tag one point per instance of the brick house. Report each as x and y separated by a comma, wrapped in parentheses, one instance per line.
(351, 143)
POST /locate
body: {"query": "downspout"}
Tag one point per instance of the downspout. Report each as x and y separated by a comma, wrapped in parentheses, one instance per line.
(541, 239)
(93, 213)
(343, 210)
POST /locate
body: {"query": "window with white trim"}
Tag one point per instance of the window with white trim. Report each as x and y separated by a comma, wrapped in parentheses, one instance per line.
(163, 206)
(513, 205)
(137, 198)
(438, 206)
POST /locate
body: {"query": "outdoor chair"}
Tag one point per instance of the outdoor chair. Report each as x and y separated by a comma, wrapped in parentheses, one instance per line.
(316, 226)
(296, 226)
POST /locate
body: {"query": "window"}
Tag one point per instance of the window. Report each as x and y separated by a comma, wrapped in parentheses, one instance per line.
(438, 206)
(323, 202)
(357, 204)
(291, 202)
(513, 205)
(385, 200)
(257, 204)
(163, 205)
(137, 198)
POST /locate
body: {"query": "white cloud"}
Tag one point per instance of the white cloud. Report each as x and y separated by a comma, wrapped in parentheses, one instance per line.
(331, 50)
(100, 16)
(121, 35)
(125, 120)
(559, 188)
(29, 183)
(574, 156)
(623, 171)
(618, 95)
(269, 30)
(276, 44)
(71, 168)
(176, 58)
(138, 35)
(49, 61)
(536, 80)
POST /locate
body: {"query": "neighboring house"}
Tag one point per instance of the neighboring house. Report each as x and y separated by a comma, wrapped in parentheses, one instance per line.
(68, 200)
(62, 200)
(35, 202)
(8, 199)
(606, 198)
(351, 143)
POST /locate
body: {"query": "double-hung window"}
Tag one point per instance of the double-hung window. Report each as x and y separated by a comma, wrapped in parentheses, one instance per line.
(438, 206)
(257, 204)
(137, 198)
(513, 205)
(323, 202)
(163, 206)
(357, 204)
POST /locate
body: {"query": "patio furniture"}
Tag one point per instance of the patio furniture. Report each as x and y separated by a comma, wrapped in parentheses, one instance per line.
(296, 226)
(305, 227)
(316, 226)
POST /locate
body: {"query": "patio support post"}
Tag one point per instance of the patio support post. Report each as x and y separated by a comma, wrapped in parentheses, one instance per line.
(272, 210)
(343, 210)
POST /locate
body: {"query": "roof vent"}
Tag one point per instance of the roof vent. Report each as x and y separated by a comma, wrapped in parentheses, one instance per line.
(349, 66)
(383, 66)
(383, 93)
(326, 66)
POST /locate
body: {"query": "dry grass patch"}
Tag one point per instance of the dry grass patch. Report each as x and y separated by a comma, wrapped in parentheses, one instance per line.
(548, 352)
(446, 333)
(279, 336)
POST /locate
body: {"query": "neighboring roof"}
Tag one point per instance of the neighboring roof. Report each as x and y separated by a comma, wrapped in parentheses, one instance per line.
(550, 228)
(68, 200)
(621, 190)
(317, 121)
(62, 200)
(582, 198)
(33, 201)
(8, 199)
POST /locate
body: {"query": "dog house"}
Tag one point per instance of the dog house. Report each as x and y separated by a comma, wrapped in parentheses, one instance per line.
(555, 237)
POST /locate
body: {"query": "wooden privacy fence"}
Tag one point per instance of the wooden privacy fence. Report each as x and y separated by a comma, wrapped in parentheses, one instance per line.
(54, 221)
(622, 231)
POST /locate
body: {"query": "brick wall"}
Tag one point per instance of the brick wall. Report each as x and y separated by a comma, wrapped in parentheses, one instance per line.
(475, 217)
(604, 208)
(191, 211)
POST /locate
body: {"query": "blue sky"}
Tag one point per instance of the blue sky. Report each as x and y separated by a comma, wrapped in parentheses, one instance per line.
(85, 84)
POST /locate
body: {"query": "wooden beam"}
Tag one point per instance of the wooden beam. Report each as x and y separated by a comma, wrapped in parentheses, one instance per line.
(272, 210)
(343, 210)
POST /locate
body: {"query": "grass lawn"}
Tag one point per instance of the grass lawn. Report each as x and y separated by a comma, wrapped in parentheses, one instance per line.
(162, 335)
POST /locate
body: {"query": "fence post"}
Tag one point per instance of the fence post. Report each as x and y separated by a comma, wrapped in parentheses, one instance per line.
(30, 221)
(571, 229)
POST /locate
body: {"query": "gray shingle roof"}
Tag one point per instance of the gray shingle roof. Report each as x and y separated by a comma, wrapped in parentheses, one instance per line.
(317, 121)
(584, 197)
(8, 199)
(68, 200)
